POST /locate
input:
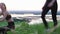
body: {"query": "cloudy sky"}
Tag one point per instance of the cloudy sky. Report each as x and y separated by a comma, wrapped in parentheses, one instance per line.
(25, 4)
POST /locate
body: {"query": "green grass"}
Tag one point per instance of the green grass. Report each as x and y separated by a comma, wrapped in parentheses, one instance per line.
(24, 28)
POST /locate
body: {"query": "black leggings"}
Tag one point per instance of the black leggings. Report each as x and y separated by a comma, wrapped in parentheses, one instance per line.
(54, 13)
(3, 30)
(10, 26)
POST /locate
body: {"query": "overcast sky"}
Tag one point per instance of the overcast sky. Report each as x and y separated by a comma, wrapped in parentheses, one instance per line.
(25, 4)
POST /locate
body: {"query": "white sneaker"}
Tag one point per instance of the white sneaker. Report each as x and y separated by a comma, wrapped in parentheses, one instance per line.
(46, 31)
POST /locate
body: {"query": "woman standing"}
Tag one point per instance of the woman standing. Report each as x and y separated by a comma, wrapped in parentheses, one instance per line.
(50, 5)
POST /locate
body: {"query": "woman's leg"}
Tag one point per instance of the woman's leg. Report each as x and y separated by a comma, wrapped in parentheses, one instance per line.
(54, 13)
(44, 12)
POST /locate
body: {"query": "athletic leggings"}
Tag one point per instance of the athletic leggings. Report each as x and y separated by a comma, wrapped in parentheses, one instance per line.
(53, 11)
(10, 24)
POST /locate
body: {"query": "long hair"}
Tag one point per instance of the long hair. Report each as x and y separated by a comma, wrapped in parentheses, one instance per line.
(3, 4)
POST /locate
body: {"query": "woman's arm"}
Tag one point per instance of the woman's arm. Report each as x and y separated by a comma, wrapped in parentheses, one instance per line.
(2, 19)
(3, 8)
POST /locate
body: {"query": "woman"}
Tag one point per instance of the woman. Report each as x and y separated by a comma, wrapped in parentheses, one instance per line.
(50, 5)
(8, 18)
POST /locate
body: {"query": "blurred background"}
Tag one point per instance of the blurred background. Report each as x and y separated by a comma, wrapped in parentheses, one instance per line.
(29, 11)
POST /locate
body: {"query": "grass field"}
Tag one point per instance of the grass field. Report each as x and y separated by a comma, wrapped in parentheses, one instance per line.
(22, 27)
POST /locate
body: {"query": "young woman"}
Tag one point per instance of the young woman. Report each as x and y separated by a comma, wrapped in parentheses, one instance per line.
(7, 17)
(50, 5)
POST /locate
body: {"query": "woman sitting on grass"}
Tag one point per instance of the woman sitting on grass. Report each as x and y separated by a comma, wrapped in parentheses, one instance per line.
(7, 17)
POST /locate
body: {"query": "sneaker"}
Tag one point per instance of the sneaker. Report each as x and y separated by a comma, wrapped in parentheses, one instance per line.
(46, 31)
